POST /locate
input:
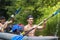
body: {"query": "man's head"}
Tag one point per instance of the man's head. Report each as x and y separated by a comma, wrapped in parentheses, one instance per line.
(2, 18)
(30, 19)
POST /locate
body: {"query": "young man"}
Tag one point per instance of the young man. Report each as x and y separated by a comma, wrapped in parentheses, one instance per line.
(30, 26)
(3, 23)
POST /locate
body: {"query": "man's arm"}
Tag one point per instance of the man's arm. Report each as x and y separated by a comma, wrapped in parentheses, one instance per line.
(8, 22)
(6, 25)
(44, 25)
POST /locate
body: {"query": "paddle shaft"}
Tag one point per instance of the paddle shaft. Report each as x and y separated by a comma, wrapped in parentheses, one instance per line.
(28, 31)
(55, 13)
(25, 34)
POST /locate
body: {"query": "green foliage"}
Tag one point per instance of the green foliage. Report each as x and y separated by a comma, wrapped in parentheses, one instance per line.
(40, 9)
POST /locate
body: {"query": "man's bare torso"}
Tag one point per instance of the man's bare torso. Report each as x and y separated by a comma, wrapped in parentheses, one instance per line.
(27, 28)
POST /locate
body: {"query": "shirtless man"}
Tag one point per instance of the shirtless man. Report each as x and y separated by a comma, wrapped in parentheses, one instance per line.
(30, 26)
(3, 23)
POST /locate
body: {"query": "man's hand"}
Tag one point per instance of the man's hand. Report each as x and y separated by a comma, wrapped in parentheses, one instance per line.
(44, 24)
(45, 21)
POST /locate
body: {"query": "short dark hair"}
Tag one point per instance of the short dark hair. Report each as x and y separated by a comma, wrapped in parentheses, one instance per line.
(2, 17)
(29, 16)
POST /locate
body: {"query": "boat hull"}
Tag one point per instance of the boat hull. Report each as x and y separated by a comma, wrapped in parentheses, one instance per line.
(8, 36)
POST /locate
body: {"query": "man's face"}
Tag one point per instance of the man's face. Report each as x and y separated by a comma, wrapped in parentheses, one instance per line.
(3, 20)
(30, 20)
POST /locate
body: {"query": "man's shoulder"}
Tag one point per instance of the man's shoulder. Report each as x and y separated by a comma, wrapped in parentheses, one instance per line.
(26, 26)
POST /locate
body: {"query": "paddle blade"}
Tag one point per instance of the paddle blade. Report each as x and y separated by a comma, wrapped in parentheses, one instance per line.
(17, 11)
(55, 13)
(19, 37)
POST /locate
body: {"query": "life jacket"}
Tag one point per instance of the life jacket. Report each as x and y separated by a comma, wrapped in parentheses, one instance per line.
(17, 28)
